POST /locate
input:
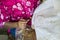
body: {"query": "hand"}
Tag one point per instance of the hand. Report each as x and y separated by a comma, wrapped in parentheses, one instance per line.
(11, 25)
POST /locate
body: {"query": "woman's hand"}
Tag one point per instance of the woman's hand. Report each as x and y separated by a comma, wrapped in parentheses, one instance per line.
(20, 24)
(11, 25)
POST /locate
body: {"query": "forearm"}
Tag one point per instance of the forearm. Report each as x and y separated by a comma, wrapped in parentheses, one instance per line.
(11, 25)
(19, 24)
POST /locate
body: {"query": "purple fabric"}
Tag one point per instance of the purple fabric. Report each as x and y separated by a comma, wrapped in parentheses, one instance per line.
(14, 10)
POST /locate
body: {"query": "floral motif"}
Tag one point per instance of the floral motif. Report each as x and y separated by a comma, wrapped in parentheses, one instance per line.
(14, 10)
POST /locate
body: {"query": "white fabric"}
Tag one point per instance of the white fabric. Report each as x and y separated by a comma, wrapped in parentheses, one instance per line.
(56, 4)
(46, 21)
